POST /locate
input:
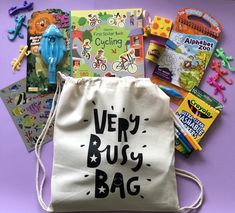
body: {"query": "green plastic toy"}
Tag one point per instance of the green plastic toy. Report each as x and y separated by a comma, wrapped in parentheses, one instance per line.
(219, 53)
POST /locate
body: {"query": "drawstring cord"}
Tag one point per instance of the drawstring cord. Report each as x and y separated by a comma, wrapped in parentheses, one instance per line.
(194, 178)
(40, 166)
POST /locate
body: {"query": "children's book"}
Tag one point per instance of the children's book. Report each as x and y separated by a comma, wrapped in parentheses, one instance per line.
(107, 43)
(192, 41)
(28, 111)
(37, 70)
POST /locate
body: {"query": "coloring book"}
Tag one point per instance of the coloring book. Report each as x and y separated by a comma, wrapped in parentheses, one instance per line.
(195, 34)
(107, 43)
(28, 111)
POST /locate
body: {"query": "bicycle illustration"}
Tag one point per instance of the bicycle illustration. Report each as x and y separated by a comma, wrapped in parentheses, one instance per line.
(117, 22)
(94, 20)
(126, 63)
(100, 64)
(86, 53)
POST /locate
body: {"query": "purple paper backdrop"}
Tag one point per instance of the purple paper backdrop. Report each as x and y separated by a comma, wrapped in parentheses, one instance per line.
(214, 165)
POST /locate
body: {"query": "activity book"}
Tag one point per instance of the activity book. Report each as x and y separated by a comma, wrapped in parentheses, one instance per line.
(107, 43)
(194, 35)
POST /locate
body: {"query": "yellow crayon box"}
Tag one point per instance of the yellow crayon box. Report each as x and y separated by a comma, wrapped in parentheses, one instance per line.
(197, 112)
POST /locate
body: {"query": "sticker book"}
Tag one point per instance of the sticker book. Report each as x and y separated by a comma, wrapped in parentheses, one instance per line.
(28, 111)
(195, 34)
(37, 70)
(107, 43)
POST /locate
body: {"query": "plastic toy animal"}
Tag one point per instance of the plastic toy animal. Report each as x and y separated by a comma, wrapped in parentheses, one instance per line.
(216, 66)
(16, 32)
(17, 9)
(218, 88)
(219, 53)
(16, 62)
(52, 49)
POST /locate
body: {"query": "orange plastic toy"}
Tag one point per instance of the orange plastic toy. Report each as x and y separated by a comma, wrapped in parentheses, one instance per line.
(161, 26)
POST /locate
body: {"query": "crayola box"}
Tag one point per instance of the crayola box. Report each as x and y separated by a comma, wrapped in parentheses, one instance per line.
(197, 112)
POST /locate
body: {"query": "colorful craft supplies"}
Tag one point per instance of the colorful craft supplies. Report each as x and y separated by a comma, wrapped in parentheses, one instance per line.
(195, 115)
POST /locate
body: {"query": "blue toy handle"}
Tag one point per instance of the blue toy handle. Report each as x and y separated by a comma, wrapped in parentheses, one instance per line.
(52, 73)
(52, 50)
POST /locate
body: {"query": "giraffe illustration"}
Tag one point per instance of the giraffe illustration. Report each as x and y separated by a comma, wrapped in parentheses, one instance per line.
(202, 65)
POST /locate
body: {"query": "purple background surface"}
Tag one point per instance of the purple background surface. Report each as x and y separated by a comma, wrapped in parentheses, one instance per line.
(214, 165)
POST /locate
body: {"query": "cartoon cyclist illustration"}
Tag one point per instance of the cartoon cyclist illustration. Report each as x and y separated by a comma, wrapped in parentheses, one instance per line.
(117, 20)
(86, 48)
(126, 62)
(128, 56)
(94, 20)
(100, 62)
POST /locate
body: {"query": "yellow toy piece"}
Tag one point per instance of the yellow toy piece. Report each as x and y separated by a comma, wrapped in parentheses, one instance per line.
(16, 61)
(147, 31)
(161, 27)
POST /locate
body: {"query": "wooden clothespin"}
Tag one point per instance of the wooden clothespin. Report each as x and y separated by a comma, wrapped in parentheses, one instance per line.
(16, 62)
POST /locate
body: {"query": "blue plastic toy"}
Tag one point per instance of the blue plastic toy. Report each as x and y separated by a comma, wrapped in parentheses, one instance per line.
(17, 9)
(16, 32)
(52, 49)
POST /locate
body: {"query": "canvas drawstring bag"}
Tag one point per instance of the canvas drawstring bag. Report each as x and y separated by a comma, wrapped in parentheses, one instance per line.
(113, 148)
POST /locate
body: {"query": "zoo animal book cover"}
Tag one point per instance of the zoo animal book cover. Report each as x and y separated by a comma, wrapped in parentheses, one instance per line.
(107, 43)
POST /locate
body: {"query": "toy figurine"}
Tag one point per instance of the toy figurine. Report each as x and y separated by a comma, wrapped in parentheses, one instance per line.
(216, 66)
(16, 62)
(17, 9)
(218, 88)
(161, 27)
(52, 49)
(219, 53)
(16, 32)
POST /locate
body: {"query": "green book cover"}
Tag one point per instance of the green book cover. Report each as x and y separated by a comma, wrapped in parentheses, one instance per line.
(107, 43)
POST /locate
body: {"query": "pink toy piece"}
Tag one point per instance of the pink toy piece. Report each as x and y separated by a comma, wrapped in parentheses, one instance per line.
(220, 73)
(218, 88)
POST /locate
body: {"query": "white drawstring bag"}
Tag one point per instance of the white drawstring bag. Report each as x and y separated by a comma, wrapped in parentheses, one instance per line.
(113, 148)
